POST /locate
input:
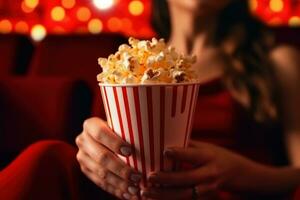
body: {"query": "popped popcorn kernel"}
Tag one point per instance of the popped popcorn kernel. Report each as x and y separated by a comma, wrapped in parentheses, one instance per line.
(143, 62)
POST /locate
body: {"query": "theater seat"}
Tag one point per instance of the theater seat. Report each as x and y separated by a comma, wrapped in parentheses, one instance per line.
(75, 56)
(40, 108)
(15, 54)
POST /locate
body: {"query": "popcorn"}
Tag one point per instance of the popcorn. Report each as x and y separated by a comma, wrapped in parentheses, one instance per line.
(144, 62)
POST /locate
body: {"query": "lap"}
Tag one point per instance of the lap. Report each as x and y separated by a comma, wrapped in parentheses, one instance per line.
(47, 170)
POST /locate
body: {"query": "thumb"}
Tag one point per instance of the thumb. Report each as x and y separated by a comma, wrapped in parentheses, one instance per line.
(191, 155)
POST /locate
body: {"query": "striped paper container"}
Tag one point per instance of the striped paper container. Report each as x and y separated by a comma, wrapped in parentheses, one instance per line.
(150, 118)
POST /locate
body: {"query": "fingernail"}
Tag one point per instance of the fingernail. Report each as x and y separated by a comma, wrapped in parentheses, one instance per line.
(136, 177)
(133, 190)
(126, 196)
(125, 150)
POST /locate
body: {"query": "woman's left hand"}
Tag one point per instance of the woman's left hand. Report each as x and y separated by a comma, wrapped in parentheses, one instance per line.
(213, 168)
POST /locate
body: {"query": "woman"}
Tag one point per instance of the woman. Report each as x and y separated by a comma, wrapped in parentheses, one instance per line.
(234, 48)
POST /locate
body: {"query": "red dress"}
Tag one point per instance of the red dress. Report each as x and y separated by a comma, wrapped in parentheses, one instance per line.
(49, 170)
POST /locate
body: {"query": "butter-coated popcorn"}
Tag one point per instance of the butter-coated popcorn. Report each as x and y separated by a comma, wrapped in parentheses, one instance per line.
(143, 62)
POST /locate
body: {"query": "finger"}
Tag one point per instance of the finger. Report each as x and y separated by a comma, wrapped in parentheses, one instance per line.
(191, 155)
(106, 175)
(198, 144)
(104, 185)
(107, 159)
(204, 189)
(85, 161)
(184, 178)
(100, 132)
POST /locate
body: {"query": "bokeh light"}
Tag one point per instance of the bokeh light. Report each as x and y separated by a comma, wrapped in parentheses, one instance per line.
(83, 14)
(129, 17)
(276, 5)
(95, 26)
(126, 24)
(114, 24)
(103, 4)
(58, 13)
(59, 30)
(5, 26)
(81, 30)
(276, 21)
(31, 3)
(38, 32)
(68, 3)
(294, 21)
(253, 5)
(25, 8)
(21, 27)
(136, 8)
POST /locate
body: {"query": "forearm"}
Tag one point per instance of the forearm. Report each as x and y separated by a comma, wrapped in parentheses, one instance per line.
(271, 180)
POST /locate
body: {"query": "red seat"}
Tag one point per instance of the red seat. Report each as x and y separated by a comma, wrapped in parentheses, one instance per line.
(37, 108)
(74, 56)
(15, 54)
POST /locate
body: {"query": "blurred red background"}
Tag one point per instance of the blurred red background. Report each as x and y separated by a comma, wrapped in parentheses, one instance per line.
(129, 17)
(48, 88)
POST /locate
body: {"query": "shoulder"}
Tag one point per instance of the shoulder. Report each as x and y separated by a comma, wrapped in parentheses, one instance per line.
(282, 52)
(286, 61)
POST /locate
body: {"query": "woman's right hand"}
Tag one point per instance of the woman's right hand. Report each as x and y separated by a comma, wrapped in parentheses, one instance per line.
(97, 156)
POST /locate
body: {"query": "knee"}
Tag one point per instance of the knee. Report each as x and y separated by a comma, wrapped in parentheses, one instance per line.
(51, 150)
(50, 146)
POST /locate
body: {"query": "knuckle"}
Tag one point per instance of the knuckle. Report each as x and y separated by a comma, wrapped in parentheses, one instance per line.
(101, 184)
(78, 140)
(119, 193)
(102, 173)
(79, 157)
(124, 172)
(86, 123)
(111, 189)
(83, 169)
(103, 158)
(99, 133)
(123, 185)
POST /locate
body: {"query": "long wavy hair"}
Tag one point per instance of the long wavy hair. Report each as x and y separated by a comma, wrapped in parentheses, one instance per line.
(249, 74)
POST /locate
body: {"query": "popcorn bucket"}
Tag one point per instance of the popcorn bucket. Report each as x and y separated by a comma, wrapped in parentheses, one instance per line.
(150, 117)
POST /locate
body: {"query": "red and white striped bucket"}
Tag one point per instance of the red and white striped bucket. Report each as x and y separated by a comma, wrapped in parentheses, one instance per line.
(150, 118)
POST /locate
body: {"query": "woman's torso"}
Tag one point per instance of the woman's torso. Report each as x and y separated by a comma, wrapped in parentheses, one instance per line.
(221, 119)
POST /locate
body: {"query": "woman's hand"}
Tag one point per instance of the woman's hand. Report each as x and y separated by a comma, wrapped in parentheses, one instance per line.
(213, 168)
(97, 155)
